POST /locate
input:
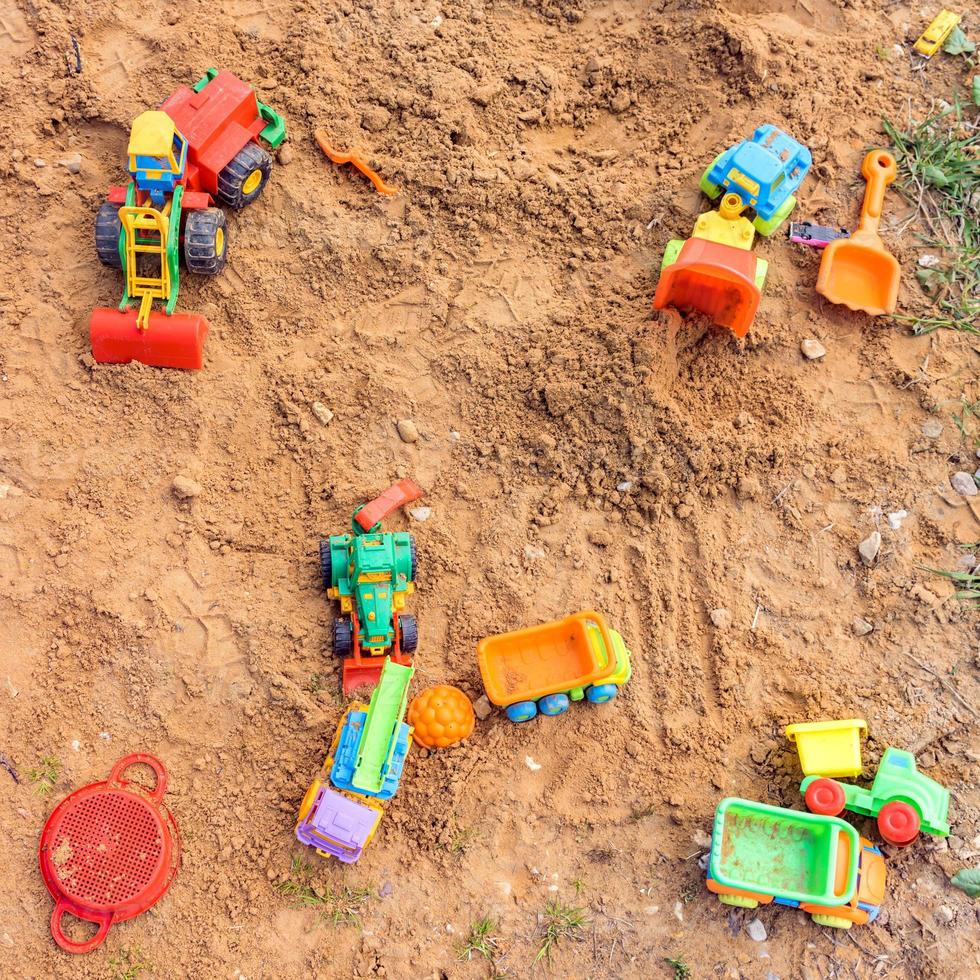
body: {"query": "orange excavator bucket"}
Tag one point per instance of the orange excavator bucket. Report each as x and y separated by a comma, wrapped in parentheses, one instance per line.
(717, 280)
(175, 341)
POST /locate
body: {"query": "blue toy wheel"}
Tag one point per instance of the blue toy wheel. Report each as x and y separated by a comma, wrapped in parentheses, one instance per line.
(521, 711)
(601, 693)
(554, 704)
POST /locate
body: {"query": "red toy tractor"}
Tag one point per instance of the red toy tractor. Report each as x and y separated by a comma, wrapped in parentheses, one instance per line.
(201, 147)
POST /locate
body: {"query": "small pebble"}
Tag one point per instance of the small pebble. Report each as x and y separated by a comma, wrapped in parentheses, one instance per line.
(420, 513)
(531, 764)
(407, 430)
(323, 414)
(38, 162)
(812, 349)
(73, 163)
(482, 707)
(895, 519)
(963, 484)
(932, 428)
(861, 626)
(286, 155)
(454, 436)
(944, 915)
(928, 261)
(625, 486)
(720, 618)
(869, 547)
(184, 488)
(756, 930)
(531, 553)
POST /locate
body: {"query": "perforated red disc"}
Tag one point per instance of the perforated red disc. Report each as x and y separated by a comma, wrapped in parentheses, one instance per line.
(109, 851)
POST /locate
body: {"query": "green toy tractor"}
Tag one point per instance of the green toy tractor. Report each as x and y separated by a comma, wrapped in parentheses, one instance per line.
(371, 572)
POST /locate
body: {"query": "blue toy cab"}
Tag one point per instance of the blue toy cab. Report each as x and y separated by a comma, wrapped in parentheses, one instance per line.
(764, 172)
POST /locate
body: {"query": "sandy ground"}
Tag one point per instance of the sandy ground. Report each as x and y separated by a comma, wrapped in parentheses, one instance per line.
(546, 152)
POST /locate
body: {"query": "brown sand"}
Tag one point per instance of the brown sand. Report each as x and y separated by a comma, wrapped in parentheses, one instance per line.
(545, 153)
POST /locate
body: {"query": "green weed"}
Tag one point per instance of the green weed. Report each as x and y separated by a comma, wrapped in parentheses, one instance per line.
(560, 922)
(681, 970)
(337, 907)
(45, 775)
(939, 173)
(129, 964)
(967, 583)
(481, 940)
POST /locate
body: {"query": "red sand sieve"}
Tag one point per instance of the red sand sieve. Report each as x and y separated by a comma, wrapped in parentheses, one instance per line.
(109, 851)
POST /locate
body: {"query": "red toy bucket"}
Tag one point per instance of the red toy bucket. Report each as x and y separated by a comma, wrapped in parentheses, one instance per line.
(109, 851)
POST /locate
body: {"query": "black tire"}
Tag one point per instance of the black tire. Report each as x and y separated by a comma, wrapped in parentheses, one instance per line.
(415, 558)
(326, 564)
(343, 637)
(108, 228)
(409, 629)
(233, 180)
(205, 241)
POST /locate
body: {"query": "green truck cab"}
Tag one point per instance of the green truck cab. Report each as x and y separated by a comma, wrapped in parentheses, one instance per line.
(901, 798)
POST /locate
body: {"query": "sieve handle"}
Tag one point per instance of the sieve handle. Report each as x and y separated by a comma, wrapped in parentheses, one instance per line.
(156, 794)
(70, 945)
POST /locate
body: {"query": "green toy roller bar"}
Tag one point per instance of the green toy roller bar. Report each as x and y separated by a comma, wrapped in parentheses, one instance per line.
(766, 849)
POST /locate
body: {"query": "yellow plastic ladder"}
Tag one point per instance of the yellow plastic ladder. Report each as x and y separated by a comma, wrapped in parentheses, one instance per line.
(140, 226)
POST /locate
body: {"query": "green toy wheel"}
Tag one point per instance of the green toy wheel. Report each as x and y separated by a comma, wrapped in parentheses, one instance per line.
(108, 228)
(834, 921)
(242, 181)
(738, 900)
(205, 241)
(768, 227)
(707, 187)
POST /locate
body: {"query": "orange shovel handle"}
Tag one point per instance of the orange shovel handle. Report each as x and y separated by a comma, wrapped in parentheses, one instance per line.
(879, 170)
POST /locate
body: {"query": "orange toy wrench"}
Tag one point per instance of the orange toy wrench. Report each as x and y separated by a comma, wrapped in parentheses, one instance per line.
(341, 158)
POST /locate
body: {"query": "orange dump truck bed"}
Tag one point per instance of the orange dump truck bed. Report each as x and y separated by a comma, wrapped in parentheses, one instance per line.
(554, 657)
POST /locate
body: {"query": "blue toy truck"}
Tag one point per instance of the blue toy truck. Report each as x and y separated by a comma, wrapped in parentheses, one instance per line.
(764, 172)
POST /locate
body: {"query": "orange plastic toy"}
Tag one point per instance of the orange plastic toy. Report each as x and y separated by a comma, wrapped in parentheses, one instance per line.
(335, 156)
(715, 279)
(859, 271)
(441, 716)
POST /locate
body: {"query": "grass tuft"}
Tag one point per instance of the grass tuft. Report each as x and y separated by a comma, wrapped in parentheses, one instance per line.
(45, 775)
(481, 941)
(560, 922)
(129, 964)
(681, 970)
(337, 907)
(939, 173)
(968, 583)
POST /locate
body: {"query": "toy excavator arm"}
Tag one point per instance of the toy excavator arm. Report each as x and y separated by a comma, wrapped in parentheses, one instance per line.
(370, 516)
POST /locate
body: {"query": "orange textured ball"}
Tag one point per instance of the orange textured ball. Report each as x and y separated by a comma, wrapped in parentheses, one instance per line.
(441, 716)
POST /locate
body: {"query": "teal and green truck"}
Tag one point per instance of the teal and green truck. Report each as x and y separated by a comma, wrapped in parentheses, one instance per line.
(762, 854)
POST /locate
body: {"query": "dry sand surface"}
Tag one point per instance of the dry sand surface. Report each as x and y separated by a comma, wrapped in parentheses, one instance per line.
(575, 450)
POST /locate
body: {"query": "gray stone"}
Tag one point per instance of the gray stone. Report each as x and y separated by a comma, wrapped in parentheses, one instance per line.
(932, 428)
(812, 349)
(482, 707)
(407, 430)
(756, 930)
(963, 484)
(869, 548)
(861, 626)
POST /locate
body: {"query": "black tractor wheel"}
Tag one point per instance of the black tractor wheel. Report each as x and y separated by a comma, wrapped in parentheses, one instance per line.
(326, 564)
(242, 180)
(108, 228)
(205, 241)
(409, 629)
(343, 637)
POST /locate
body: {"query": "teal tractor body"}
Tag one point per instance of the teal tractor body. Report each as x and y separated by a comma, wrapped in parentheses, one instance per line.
(371, 573)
